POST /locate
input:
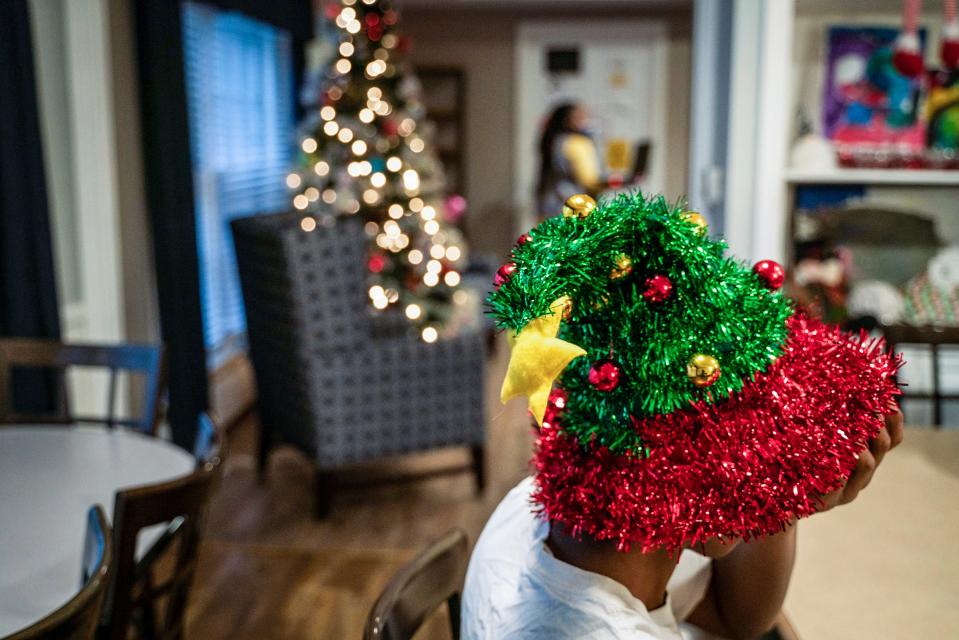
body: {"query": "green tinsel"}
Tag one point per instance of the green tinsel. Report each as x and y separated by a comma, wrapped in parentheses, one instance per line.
(718, 307)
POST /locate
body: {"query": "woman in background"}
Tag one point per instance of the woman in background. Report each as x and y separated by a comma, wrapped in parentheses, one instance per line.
(569, 160)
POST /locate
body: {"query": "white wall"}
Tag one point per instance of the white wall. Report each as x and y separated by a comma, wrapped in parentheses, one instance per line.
(482, 42)
(89, 114)
(484, 50)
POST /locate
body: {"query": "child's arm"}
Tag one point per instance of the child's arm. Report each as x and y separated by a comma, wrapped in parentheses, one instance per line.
(748, 587)
(749, 584)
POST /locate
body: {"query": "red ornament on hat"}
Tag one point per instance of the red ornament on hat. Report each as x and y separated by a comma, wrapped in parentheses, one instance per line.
(604, 375)
(554, 407)
(658, 289)
(771, 273)
(503, 274)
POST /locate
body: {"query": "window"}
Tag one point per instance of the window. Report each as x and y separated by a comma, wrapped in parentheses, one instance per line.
(239, 79)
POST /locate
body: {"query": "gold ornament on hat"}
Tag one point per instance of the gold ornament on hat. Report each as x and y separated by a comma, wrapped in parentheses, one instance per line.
(537, 358)
(696, 219)
(703, 370)
(622, 266)
(578, 206)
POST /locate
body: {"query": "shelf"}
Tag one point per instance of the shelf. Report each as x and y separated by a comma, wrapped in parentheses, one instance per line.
(914, 177)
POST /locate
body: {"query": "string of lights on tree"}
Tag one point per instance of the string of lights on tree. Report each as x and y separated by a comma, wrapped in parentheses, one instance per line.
(366, 151)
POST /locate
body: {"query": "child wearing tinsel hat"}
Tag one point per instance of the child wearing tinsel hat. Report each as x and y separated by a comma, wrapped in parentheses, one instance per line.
(687, 417)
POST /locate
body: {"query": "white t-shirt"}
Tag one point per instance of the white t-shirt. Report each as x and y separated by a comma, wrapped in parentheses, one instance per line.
(516, 589)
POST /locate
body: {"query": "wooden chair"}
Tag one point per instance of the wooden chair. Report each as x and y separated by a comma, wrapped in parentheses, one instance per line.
(141, 599)
(77, 619)
(935, 337)
(56, 357)
(433, 577)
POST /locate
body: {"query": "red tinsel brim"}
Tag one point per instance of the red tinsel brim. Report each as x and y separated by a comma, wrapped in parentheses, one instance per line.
(745, 466)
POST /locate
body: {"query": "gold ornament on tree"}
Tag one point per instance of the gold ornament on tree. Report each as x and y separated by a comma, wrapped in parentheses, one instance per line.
(578, 206)
(697, 220)
(622, 266)
(703, 370)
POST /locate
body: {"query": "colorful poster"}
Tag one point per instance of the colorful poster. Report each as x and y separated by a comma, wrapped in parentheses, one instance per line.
(866, 101)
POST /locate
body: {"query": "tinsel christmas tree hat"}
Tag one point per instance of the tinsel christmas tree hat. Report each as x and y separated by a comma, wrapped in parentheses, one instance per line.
(679, 396)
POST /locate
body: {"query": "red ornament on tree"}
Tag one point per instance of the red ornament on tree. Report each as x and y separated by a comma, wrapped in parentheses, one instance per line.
(604, 375)
(376, 262)
(658, 289)
(503, 274)
(770, 272)
(389, 126)
(523, 239)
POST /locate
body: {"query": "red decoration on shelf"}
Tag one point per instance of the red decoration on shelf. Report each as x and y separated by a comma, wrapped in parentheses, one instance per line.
(604, 375)
(906, 57)
(949, 51)
(771, 273)
(908, 63)
(376, 263)
(814, 403)
(659, 288)
(503, 274)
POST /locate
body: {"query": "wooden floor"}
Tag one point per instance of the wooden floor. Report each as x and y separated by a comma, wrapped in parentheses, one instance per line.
(268, 569)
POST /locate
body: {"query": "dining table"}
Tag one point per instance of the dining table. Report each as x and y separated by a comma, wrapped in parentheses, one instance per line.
(50, 475)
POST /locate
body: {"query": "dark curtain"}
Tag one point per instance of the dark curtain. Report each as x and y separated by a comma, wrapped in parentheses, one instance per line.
(28, 297)
(169, 182)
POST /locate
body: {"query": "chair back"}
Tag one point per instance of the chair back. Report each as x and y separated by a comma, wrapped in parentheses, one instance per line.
(138, 588)
(56, 357)
(935, 338)
(432, 578)
(305, 300)
(77, 619)
(210, 443)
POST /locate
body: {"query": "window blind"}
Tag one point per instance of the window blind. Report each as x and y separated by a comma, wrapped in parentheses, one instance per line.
(240, 105)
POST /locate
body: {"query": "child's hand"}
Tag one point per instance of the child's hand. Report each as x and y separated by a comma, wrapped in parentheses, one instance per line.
(889, 437)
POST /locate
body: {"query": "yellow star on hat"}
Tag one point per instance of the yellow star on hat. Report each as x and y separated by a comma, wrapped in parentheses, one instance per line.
(537, 359)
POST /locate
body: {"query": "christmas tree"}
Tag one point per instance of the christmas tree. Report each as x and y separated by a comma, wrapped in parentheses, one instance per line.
(367, 152)
(691, 401)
